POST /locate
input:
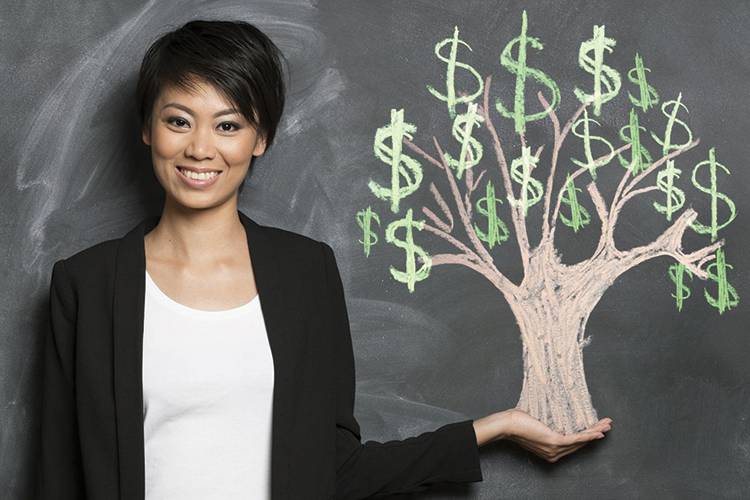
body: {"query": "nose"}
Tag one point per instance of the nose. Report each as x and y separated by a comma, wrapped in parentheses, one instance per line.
(201, 144)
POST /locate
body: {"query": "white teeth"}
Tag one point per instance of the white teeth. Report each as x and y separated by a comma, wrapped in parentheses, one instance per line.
(199, 176)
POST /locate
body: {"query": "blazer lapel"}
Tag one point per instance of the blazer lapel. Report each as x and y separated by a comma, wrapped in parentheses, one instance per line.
(128, 307)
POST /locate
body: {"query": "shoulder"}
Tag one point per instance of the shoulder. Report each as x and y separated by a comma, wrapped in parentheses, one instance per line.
(98, 261)
(92, 267)
(310, 257)
(93, 256)
(296, 243)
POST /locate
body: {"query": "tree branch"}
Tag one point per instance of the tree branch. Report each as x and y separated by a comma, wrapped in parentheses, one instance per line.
(496, 279)
(601, 211)
(471, 185)
(481, 253)
(559, 139)
(453, 241)
(436, 220)
(447, 227)
(462, 212)
(516, 210)
(423, 154)
(669, 243)
(578, 172)
(621, 194)
(632, 194)
(470, 259)
(624, 193)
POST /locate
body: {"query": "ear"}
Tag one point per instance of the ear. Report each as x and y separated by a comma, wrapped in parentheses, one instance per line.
(260, 146)
(146, 135)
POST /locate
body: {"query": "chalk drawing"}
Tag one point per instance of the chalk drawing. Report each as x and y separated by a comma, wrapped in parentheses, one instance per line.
(364, 219)
(401, 165)
(553, 301)
(591, 59)
(587, 137)
(648, 96)
(519, 68)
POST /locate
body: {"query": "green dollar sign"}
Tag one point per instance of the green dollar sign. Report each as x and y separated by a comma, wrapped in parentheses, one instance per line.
(497, 231)
(727, 297)
(364, 219)
(677, 275)
(714, 226)
(462, 131)
(412, 274)
(666, 143)
(590, 163)
(648, 95)
(603, 74)
(640, 158)
(665, 179)
(518, 67)
(450, 74)
(579, 216)
(531, 189)
(400, 163)
(675, 197)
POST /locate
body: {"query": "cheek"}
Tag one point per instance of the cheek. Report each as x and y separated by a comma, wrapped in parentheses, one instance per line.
(166, 144)
(237, 153)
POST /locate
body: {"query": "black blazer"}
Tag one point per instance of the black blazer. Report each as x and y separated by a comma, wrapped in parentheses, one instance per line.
(92, 409)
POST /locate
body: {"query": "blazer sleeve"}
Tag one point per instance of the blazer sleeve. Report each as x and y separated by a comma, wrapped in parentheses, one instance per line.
(60, 470)
(363, 470)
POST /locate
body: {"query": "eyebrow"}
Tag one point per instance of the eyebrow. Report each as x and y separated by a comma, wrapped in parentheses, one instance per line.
(228, 111)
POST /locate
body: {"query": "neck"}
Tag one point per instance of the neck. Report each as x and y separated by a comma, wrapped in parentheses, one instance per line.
(196, 236)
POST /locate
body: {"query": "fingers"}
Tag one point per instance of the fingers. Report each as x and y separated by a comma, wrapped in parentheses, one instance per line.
(594, 432)
(558, 445)
(605, 422)
(597, 429)
(536, 437)
(582, 437)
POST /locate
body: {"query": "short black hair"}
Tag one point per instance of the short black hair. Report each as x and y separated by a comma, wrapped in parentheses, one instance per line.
(236, 57)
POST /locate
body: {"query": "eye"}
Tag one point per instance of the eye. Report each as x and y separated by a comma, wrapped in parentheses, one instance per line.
(231, 124)
(176, 120)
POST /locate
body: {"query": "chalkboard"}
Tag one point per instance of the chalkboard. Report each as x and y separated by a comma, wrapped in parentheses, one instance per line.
(441, 342)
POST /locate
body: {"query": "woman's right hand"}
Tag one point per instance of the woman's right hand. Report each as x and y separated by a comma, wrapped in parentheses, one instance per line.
(544, 442)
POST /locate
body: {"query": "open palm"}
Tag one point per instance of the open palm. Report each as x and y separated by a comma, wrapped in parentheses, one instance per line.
(546, 443)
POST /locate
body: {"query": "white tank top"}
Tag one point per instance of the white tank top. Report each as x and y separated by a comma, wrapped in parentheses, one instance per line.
(207, 401)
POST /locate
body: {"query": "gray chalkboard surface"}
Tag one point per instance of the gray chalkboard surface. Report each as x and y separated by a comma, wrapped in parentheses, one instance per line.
(461, 303)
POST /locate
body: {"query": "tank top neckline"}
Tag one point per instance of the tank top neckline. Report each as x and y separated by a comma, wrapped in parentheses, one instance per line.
(167, 300)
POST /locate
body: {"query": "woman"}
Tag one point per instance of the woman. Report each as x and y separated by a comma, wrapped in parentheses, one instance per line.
(203, 355)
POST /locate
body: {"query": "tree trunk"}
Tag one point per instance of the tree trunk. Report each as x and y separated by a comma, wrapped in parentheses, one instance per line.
(554, 384)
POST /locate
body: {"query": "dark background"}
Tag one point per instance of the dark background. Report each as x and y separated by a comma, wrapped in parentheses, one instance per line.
(675, 383)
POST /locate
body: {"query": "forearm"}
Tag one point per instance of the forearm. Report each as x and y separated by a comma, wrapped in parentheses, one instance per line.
(491, 427)
(448, 453)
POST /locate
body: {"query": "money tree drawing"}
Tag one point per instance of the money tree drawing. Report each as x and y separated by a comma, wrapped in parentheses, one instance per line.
(553, 300)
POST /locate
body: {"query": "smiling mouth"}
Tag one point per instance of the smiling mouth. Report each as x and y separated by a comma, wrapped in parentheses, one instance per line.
(191, 174)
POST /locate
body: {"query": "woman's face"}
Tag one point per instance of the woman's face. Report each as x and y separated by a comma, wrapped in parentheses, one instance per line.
(200, 131)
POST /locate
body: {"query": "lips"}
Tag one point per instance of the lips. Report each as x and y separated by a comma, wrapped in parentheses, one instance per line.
(197, 170)
(197, 183)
